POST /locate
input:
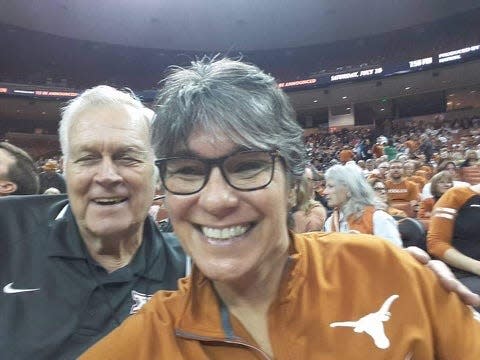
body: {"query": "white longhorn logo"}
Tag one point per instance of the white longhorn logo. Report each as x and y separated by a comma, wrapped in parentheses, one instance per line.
(372, 324)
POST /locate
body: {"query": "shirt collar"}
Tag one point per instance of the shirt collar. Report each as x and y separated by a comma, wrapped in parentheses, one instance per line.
(64, 241)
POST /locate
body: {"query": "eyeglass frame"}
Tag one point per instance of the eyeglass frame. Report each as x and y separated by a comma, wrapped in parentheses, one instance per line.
(217, 162)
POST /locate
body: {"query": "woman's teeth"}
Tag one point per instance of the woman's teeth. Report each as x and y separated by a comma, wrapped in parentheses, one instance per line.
(225, 233)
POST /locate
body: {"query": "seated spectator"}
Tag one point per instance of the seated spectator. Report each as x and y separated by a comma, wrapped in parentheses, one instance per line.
(390, 150)
(471, 159)
(398, 188)
(454, 232)
(409, 170)
(50, 178)
(346, 155)
(94, 258)
(353, 200)
(17, 171)
(439, 184)
(307, 214)
(383, 168)
(378, 186)
(411, 231)
(449, 166)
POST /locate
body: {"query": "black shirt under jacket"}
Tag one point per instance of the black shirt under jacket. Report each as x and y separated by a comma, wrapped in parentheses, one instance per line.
(55, 300)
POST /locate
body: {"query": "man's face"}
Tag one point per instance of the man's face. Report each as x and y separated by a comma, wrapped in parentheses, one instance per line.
(396, 170)
(383, 168)
(6, 160)
(408, 169)
(110, 171)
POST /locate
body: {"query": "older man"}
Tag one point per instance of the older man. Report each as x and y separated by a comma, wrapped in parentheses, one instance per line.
(72, 271)
(17, 171)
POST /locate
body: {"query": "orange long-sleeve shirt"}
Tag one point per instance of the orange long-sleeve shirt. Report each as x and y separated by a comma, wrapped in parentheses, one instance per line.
(442, 222)
(343, 297)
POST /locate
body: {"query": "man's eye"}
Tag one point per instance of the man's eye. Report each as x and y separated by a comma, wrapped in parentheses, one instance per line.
(128, 159)
(85, 159)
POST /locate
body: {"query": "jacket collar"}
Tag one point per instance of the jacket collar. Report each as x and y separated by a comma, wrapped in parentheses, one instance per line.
(205, 314)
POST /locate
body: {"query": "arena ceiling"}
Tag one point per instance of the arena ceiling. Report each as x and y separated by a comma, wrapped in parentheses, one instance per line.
(222, 25)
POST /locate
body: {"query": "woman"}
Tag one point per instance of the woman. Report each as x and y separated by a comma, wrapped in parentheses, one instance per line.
(440, 183)
(454, 233)
(308, 214)
(354, 205)
(230, 154)
(446, 165)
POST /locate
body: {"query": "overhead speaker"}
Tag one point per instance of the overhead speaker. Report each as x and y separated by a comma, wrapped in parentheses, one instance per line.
(435, 74)
(326, 91)
(378, 83)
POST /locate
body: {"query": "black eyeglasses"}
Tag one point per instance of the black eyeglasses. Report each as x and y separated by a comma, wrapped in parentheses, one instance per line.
(244, 170)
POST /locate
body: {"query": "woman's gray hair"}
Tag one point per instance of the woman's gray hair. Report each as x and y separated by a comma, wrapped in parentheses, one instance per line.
(227, 97)
(104, 96)
(360, 192)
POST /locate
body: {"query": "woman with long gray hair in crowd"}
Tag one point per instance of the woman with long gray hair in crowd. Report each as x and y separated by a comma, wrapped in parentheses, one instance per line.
(355, 208)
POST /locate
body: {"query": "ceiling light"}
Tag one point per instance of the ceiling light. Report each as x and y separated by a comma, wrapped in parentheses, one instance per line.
(382, 109)
(315, 101)
(344, 97)
(348, 108)
(408, 88)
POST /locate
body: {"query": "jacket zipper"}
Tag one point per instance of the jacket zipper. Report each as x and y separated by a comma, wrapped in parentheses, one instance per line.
(238, 341)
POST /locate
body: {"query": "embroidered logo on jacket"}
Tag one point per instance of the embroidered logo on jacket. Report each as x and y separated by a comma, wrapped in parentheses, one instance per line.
(372, 324)
(139, 300)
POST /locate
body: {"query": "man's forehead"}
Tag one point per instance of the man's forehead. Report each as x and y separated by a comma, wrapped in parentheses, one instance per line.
(6, 157)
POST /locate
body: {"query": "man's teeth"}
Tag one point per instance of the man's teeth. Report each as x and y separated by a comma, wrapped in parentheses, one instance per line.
(109, 201)
(225, 233)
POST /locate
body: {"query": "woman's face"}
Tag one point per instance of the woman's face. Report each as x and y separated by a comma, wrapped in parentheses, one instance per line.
(336, 195)
(380, 191)
(443, 185)
(232, 235)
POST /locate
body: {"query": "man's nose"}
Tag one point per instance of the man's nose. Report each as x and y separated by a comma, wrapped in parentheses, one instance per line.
(107, 172)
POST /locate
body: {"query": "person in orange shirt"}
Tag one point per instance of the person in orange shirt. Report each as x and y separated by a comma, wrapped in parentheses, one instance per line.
(454, 232)
(409, 170)
(400, 189)
(412, 145)
(258, 291)
(346, 155)
(377, 149)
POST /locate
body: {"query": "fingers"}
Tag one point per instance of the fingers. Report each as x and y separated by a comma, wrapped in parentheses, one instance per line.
(451, 283)
(420, 255)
